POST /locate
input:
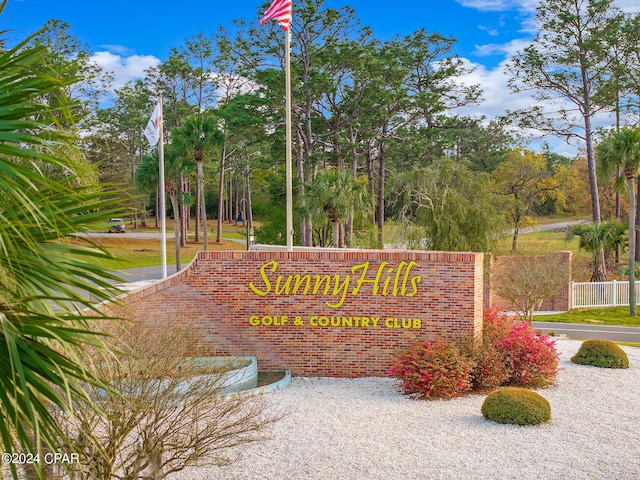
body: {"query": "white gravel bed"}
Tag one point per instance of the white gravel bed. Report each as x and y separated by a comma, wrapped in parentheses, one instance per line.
(366, 429)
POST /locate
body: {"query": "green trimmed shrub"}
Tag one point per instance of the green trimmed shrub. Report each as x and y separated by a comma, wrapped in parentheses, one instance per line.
(517, 406)
(601, 353)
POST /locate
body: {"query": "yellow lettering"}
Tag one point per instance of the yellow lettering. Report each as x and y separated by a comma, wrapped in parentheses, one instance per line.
(397, 279)
(318, 284)
(254, 321)
(376, 284)
(282, 289)
(299, 280)
(265, 279)
(364, 267)
(344, 288)
(414, 281)
(388, 280)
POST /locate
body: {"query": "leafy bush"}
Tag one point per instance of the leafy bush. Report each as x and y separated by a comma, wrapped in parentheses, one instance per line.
(489, 370)
(433, 370)
(531, 359)
(515, 405)
(513, 354)
(601, 353)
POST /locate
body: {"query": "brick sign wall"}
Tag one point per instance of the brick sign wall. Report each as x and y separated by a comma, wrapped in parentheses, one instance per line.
(320, 313)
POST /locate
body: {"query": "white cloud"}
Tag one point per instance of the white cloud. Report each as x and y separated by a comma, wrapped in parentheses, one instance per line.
(124, 68)
(498, 98)
(493, 81)
(508, 50)
(501, 5)
(628, 6)
(118, 49)
(490, 31)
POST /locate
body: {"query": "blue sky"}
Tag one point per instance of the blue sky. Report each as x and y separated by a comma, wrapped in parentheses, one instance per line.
(128, 36)
(152, 27)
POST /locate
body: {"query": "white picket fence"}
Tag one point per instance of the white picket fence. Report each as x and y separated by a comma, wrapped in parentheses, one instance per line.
(602, 294)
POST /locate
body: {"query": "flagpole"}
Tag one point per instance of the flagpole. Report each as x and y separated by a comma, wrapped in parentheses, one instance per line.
(162, 202)
(289, 173)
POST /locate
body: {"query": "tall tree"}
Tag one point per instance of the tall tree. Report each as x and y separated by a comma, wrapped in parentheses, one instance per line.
(526, 182)
(568, 67)
(197, 135)
(622, 150)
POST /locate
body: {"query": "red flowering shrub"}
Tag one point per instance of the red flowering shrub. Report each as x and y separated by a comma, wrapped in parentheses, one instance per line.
(433, 370)
(531, 359)
(513, 354)
(489, 370)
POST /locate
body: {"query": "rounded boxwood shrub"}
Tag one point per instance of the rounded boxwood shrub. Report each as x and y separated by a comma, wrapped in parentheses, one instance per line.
(517, 406)
(601, 353)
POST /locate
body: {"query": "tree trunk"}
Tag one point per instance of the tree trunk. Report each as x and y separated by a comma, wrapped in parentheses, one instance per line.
(196, 225)
(176, 231)
(249, 207)
(223, 156)
(203, 207)
(381, 180)
(304, 234)
(637, 222)
(514, 240)
(335, 227)
(371, 183)
(632, 246)
(181, 203)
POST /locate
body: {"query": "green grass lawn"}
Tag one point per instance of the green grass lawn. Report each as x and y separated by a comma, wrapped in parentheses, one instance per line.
(596, 316)
(140, 252)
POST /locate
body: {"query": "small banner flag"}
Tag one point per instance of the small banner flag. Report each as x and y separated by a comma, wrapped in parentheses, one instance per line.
(152, 131)
(280, 11)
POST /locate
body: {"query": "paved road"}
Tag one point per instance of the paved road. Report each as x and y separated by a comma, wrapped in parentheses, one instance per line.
(602, 332)
(553, 226)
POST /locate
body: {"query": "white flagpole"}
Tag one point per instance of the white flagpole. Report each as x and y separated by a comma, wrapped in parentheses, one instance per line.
(162, 202)
(289, 173)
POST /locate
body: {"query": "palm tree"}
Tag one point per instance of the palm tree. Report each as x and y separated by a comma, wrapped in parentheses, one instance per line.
(196, 135)
(46, 282)
(621, 149)
(600, 240)
(334, 195)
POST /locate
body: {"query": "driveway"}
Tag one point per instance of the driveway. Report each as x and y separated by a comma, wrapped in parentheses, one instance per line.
(583, 332)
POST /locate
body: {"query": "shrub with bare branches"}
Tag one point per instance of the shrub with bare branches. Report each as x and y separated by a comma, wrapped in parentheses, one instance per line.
(162, 413)
(528, 281)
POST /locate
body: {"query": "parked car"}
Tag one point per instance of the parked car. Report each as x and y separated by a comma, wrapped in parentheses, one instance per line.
(116, 225)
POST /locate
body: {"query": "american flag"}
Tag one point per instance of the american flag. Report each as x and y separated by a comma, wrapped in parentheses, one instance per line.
(280, 11)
